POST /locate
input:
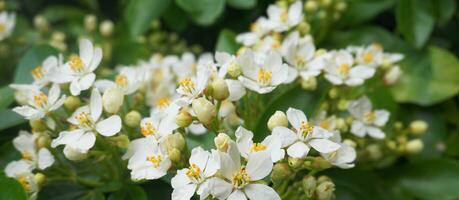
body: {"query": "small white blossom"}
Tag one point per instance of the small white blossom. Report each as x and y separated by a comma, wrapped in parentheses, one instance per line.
(39, 158)
(340, 69)
(7, 23)
(366, 120)
(283, 19)
(344, 156)
(149, 161)
(247, 147)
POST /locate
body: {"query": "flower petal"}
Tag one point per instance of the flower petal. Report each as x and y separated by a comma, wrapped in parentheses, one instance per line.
(45, 158)
(259, 165)
(110, 126)
(324, 145)
(237, 195)
(286, 135)
(261, 192)
(295, 117)
(298, 150)
(95, 105)
(184, 193)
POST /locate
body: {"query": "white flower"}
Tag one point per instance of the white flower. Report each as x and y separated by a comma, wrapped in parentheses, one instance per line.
(40, 104)
(149, 161)
(88, 123)
(240, 182)
(344, 156)
(371, 56)
(22, 171)
(41, 73)
(7, 23)
(283, 19)
(247, 147)
(38, 158)
(257, 30)
(341, 70)
(79, 71)
(128, 81)
(366, 120)
(304, 137)
(195, 178)
(191, 87)
(159, 126)
(392, 75)
(262, 78)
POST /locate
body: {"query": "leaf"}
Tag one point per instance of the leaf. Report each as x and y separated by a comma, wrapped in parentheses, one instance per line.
(157, 190)
(361, 11)
(62, 191)
(242, 4)
(415, 21)
(93, 195)
(203, 12)
(205, 141)
(428, 77)
(7, 154)
(33, 57)
(227, 42)
(430, 179)
(176, 18)
(60, 13)
(443, 10)
(140, 13)
(6, 97)
(10, 189)
(10, 119)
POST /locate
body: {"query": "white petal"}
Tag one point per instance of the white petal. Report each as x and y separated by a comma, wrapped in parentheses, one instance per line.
(358, 128)
(236, 89)
(375, 132)
(295, 117)
(280, 74)
(85, 142)
(237, 195)
(259, 165)
(324, 145)
(382, 116)
(24, 142)
(110, 126)
(29, 112)
(86, 81)
(261, 192)
(319, 132)
(213, 164)
(180, 179)
(286, 135)
(184, 193)
(67, 137)
(361, 72)
(75, 87)
(96, 59)
(45, 158)
(54, 93)
(244, 140)
(86, 51)
(95, 105)
(298, 150)
(219, 188)
(199, 157)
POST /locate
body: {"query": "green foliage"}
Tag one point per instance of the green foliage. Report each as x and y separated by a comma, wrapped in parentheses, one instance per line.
(10, 189)
(140, 13)
(227, 42)
(242, 4)
(31, 59)
(361, 11)
(415, 21)
(203, 12)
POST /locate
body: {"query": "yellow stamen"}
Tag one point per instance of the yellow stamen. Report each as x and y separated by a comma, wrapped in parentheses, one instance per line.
(76, 64)
(193, 171)
(37, 72)
(369, 116)
(41, 100)
(240, 178)
(26, 155)
(344, 68)
(306, 128)
(25, 184)
(264, 76)
(121, 80)
(253, 27)
(84, 119)
(163, 102)
(325, 124)
(187, 84)
(284, 16)
(148, 129)
(367, 57)
(256, 147)
(156, 160)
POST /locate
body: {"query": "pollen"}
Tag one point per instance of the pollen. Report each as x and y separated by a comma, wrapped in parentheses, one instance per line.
(344, 68)
(325, 124)
(193, 171)
(187, 84)
(264, 76)
(163, 102)
(148, 129)
(367, 57)
(306, 128)
(369, 116)
(40, 100)
(256, 147)
(37, 72)
(25, 184)
(121, 80)
(84, 119)
(76, 64)
(26, 155)
(155, 160)
(240, 178)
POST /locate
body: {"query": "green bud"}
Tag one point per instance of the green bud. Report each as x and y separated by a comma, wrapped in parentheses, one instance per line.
(204, 109)
(310, 6)
(38, 125)
(418, 127)
(333, 93)
(281, 172)
(234, 70)
(121, 141)
(325, 191)
(90, 23)
(304, 28)
(320, 163)
(309, 83)
(175, 141)
(175, 155)
(39, 178)
(43, 140)
(295, 163)
(374, 151)
(220, 89)
(41, 23)
(106, 28)
(184, 118)
(309, 184)
(132, 119)
(414, 146)
(112, 100)
(277, 119)
(342, 104)
(72, 103)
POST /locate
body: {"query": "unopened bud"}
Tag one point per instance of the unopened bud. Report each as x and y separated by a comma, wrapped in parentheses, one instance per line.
(277, 119)
(233, 119)
(121, 141)
(38, 125)
(309, 184)
(374, 151)
(205, 110)
(175, 141)
(341, 124)
(414, 146)
(184, 118)
(392, 145)
(112, 100)
(392, 76)
(310, 6)
(175, 155)
(58, 37)
(74, 155)
(90, 23)
(333, 93)
(350, 143)
(132, 119)
(418, 127)
(21, 97)
(322, 179)
(398, 125)
(325, 191)
(308, 83)
(222, 142)
(320, 163)
(106, 28)
(304, 28)
(281, 172)
(342, 104)
(295, 163)
(41, 23)
(220, 89)
(39, 178)
(43, 141)
(234, 70)
(341, 6)
(71, 103)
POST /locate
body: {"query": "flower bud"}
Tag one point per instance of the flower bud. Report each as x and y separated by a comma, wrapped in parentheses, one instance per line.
(174, 155)
(414, 146)
(43, 141)
(233, 119)
(41, 23)
(112, 100)
(309, 83)
(222, 142)
(350, 142)
(74, 155)
(121, 141)
(39, 178)
(325, 191)
(220, 89)
(310, 6)
(333, 93)
(184, 118)
(277, 119)
(58, 37)
(392, 76)
(234, 70)
(398, 125)
(106, 28)
(341, 6)
(281, 172)
(38, 125)
(72, 103)
(309, 184)
(418, 127)
(295, 163)
(90, 23)
(304, 28)
(320, 163)
(392, 145)
(132, 119)
(205, 111)
(342, 104)
(175, 141)
(341, 124)
(374, 151)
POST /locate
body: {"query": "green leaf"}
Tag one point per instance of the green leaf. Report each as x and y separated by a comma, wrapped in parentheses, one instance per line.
(93, 195)
(31, 59)
(6, 97)
(62, 191)
(428, 77)
(10, 189)
(205, 141)
(443, 10)
(242, 4)
(429, 179)
(8, 153)
(175, 18)
(10, 119)
(415, 21)
(227, 42)
(60, 13)
(140, 13)
(361, 11)
(203, 12)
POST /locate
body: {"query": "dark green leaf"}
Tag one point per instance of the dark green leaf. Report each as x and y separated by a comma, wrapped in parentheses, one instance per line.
(62, 191)
(444, 10)
(10, 189)
(415, 21)
(242, 4)
(59, 13)
(428, 77)
(361, 11)
(206, 141)
(31, 59)
(92, 195)
(176, 18)
(10, 119)
(203, 12)
(140, 13)
(227, 42)
(7, 154)
(6, 97)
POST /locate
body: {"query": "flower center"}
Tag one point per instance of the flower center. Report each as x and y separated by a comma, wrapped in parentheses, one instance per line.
(369, 116)
(367, 57)
(264, 76)
(41, 100)
(155, 160)
(148, 129)
(256, 147)
(158, 74)
(193, 171)
(305, 128)
(37, 73)
(325, 124)
(76, 64)
(187, 84)
(284, 16)
(26, 155)
(84, 119)
(121, 80)
(25, 184)
(240, 178)
(2, 28)
(163, 102)
(344, 68)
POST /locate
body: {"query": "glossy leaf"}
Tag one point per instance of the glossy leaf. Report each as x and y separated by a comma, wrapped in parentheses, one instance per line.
(10, 119)
(444, 10)
(10, 189)
(227, 42)
(415, 21)
(140, 13)
(31, 59)
(6, 97)
(203, 12)
(242, 4)
(361, 11)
